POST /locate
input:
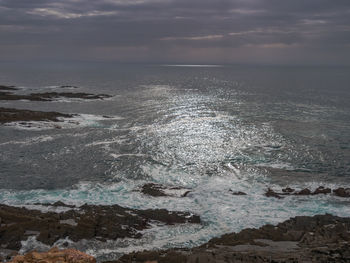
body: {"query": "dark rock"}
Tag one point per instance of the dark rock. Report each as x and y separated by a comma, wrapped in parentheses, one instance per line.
(288, 190)
(49, 96)
(304, 192)
(155, 190)
(322, 238)
(322, 190)
(237, 193)
(271, 193)
(3, 87)
(87, 222)
(14, 115)
(342, 192)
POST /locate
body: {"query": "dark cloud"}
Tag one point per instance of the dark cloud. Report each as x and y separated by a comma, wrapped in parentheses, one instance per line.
(230, 31)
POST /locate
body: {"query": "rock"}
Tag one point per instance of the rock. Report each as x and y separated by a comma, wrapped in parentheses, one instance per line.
(49, 96)
(322, 190)
(15, 115)
(155, 190)
(87, 222)
(237, 193)
(3, 87)
(304, 192)
(322, 238)
(186, 193)
(287, 190)
(342, 192)
(55, 255)
(271, 193)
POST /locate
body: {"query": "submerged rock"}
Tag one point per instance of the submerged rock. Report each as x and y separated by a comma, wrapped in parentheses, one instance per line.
(322, 238)
(85, 222)
(55, 255)
(14, 115)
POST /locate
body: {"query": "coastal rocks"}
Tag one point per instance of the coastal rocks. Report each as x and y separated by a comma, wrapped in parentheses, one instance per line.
(70, 95)
(322, 238)
(85, 222)
(3, 87)
(341, 192)
(157, 190)
(153, 190)
(50, 96)
(55, 255)
(14, 115)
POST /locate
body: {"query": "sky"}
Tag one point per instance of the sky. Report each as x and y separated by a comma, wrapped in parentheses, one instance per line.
(177, 31)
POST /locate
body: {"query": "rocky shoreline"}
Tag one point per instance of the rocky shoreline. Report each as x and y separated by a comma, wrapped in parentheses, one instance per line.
(321, 238)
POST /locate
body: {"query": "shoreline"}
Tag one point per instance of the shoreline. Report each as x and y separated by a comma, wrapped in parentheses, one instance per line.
(320, 238)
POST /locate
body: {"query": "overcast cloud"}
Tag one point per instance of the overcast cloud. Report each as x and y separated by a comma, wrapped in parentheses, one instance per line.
(176, 31)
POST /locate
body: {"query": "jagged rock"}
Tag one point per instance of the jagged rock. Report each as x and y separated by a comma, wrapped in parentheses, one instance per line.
(288, 190)
(271, 193)
(15, 115)
(342, 192)
(153, 190)
(55, 255)
(3, 87)
(85, 222)
(322, 190)
(322, 238)
(305, 191)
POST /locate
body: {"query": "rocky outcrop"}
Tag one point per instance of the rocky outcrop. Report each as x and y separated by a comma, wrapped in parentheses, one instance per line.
(15, 115)
(341, 192)
(49, 96)
(3, 87)
(157, 190)
(322, 238)
(85, 222)
(55, 255)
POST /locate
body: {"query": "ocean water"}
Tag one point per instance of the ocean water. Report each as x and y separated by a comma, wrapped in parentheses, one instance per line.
(212, 130)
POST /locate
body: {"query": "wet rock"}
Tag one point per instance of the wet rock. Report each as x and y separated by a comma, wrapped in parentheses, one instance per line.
(49, 96)
(87, 222)
(15, 115)
(288, 190)
(342, 192)
(322, 190)
(157, 190)
(80, 95)
(271, 193)
(237, 193)
(55, 255)
(153, 190)
(3, 87)
(322, 238)
(305, 191)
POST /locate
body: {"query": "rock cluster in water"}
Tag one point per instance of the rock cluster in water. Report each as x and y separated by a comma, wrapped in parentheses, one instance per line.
(340, 192)
(15, 115)
(84, 222)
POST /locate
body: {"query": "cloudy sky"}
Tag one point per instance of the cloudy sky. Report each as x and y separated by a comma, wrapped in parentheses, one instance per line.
(176, 31)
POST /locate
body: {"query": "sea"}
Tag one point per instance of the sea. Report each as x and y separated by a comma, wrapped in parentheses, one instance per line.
(209, 129)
